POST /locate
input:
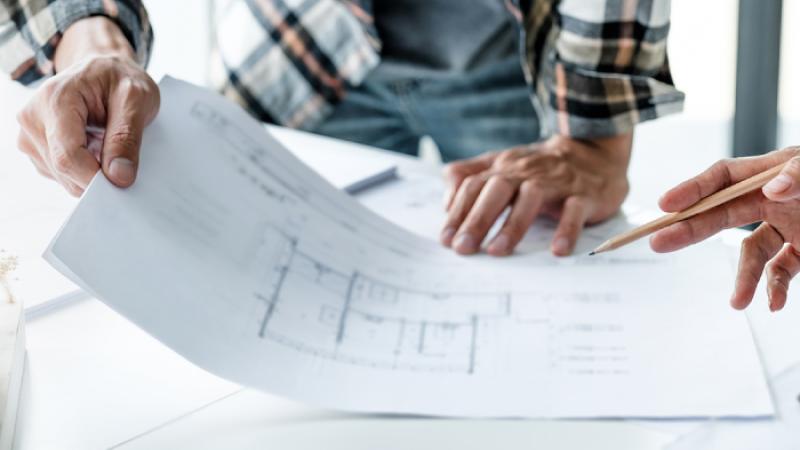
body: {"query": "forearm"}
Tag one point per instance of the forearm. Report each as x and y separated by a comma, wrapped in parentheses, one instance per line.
(98, 36)
(32, 28)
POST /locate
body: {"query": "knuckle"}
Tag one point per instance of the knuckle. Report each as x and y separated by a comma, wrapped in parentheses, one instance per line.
(569, 229)
(62, 161)
(749, 243)
(133, 88)
(722, 164)
(773, 270)
(25, 116)
(533, 162)
(721, 170)
(49, 88)
(473, 183)
(130, 88)
(24, 145)
(754, 246)
(576, 203)
(537, 184)
(449, 170)
(794, 166)
(507, 156)
(513, 229)
(103, 64)
(125, 137)
(498, 179)
(529, 186)
(791, 151)
(454, 170)
(777, 274)
(59, 96)
(73, 190)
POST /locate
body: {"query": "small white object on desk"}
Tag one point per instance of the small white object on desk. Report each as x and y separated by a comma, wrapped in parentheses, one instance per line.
(12, 355)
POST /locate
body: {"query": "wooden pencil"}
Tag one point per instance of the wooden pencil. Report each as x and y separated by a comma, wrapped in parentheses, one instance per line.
(731, 192)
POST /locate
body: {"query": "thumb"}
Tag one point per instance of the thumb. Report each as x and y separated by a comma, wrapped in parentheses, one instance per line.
(120, 154)
(131, 107)
(786, 185)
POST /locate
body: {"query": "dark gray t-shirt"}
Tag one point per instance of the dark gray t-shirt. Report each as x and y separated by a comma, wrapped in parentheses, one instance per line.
(430, 38)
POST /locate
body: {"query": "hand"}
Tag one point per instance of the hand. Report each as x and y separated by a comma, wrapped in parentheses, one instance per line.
(774, 244)
(576, 182)
(91, 115)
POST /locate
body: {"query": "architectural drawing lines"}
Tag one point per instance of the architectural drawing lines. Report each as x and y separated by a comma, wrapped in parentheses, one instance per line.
(474, 345)
(283, 270)
(346, 309)
(341, 314)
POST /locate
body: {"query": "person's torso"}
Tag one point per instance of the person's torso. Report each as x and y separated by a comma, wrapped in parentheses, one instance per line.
(429, 38)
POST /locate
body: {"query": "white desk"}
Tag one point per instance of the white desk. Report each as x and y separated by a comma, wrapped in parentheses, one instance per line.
(96, 381)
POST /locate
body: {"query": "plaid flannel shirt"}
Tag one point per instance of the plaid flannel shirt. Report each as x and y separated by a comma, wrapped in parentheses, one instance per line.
(595, 67)
(31, 29)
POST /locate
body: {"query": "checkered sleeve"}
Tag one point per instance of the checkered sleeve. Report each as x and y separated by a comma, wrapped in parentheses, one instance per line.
(31, 29)
(599, 67)
(290, 61)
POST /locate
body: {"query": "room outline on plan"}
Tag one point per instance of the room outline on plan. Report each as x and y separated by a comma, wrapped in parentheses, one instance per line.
(354, 318)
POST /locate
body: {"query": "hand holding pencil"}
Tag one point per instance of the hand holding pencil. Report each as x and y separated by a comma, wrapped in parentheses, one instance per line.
(729, 194)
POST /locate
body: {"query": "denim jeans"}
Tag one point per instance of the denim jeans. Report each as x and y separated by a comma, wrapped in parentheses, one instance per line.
(466, 114)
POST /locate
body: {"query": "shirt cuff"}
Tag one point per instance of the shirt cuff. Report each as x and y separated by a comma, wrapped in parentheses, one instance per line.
(584, 104)
(32, 50)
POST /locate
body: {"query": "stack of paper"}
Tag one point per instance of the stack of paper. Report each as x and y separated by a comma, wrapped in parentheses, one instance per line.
(241, 258)
(12, 357)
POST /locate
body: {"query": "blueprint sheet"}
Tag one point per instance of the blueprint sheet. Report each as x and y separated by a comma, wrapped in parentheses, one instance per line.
(243, 260)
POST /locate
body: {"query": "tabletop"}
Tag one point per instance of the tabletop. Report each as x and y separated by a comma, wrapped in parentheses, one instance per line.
(96, 381)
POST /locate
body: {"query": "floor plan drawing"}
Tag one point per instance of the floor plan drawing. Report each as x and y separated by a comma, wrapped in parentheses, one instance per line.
(357, 319)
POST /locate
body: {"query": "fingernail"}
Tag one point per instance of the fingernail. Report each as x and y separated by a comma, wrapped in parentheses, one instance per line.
(778, 184)
(499, 245)
(122, 171)
(465, 243)
(447, 235)
(561, 246)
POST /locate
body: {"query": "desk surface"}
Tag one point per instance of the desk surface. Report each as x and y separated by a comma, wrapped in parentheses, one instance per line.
(96, 381)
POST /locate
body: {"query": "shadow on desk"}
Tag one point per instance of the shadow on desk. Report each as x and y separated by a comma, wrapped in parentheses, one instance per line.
(243, 420)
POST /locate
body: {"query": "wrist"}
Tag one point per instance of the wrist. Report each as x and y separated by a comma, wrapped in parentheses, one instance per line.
(616, 149)
(98, 36)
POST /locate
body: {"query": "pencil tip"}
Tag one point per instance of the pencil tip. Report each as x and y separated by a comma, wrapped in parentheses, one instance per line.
(592, 253)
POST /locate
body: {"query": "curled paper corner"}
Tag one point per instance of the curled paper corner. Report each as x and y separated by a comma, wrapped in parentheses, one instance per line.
(8, 264)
